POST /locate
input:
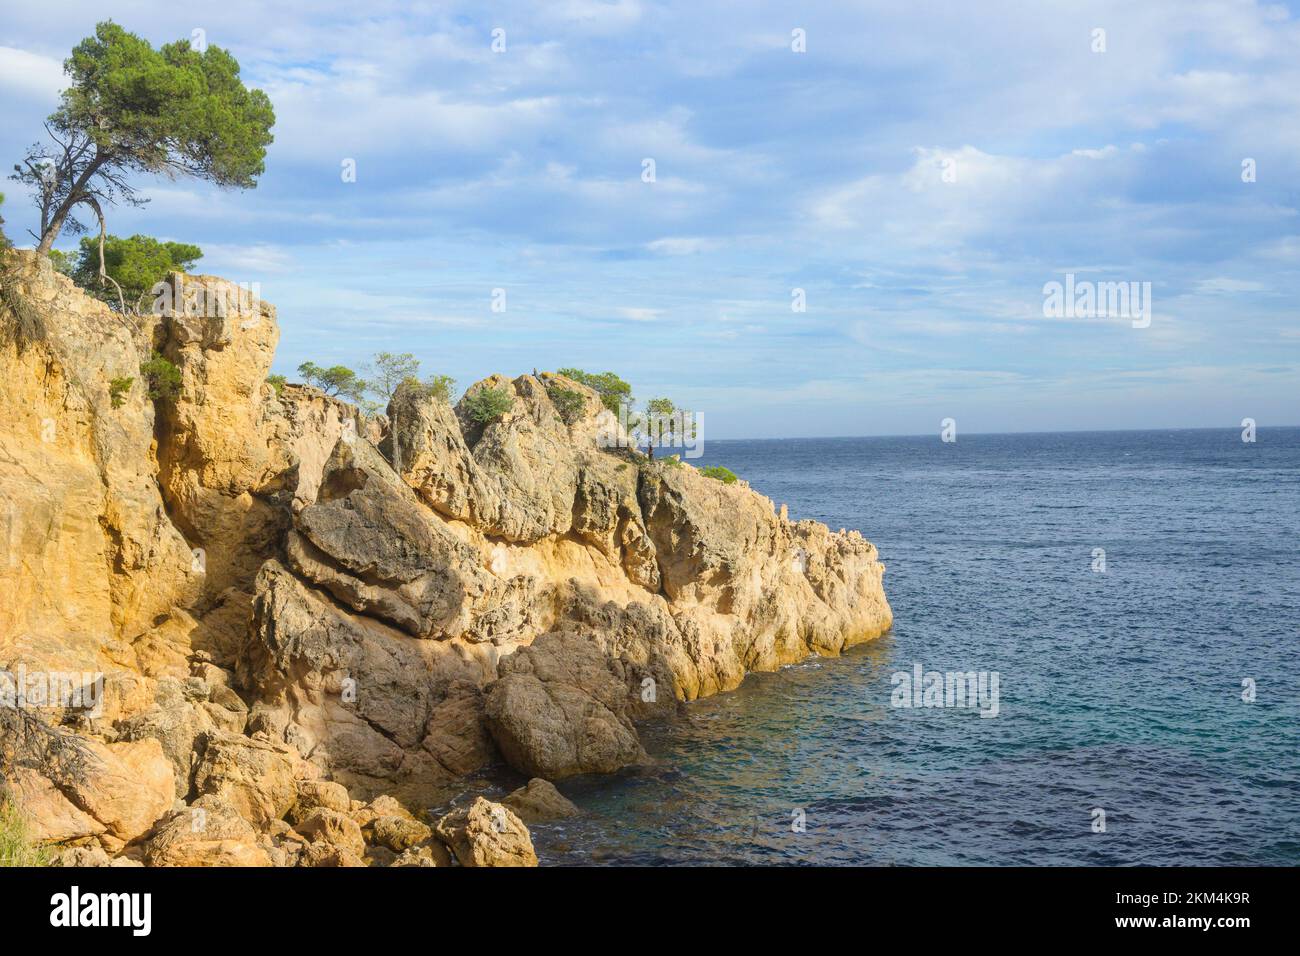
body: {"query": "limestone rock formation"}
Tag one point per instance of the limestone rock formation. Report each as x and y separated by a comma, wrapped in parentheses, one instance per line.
(271, 613)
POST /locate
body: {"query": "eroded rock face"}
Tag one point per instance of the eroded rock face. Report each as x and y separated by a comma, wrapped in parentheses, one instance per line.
(255, 776)
(88, 557)
(296, 607)
(354, 696)
(560, 709)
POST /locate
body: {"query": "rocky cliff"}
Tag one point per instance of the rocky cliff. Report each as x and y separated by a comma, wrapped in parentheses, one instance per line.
(310, 623)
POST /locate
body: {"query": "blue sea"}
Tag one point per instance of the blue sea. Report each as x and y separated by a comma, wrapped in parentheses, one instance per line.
(1120, 691)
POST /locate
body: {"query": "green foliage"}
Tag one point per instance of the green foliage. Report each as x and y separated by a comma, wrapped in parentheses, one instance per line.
(131, 108)
(16, 845)
(724, 475)
(171, 110)
(338, 380)
(162, 377)
(137, 264)
(569, 404)
(440, 386)
(613, 391)
(659, 418)
(662, 407)
(62, 262)
(118, 388)
(488, 404)
(389, 370)
(436, 386)
(277, 382)
(4, 240)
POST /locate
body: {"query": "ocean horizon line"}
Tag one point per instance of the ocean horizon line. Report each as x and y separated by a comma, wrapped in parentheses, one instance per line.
(1063, 431)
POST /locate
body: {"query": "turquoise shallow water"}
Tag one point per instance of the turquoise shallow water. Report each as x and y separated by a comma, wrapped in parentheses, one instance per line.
(1120, 691)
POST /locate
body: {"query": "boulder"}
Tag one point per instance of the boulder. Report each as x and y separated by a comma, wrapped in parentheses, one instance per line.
(539, 801)
(486, 834)
(321, 853)
(256, 777)
(399, 833)
(313, 794)
(210, 832)
(183, 711)
(337, 829)
(430, 854)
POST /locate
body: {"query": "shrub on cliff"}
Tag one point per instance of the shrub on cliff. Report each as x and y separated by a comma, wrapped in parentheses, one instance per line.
(717, 472)
(388, 370)
(161, 376)
(488, 404)
(118, 388)
(569, 405)
(440, 387)
(436, 386)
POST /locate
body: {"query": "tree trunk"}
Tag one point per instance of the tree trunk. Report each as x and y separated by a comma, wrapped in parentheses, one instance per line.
(51, 233)
(77, 194)
(93, 203)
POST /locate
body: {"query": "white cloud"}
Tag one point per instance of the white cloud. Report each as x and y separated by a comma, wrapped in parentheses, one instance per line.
(680, 246)
(256, 259)
(639, 314)
(1223, 285)
(31, 74)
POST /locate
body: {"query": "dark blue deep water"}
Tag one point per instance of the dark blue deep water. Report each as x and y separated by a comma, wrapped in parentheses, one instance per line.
(1120, 691)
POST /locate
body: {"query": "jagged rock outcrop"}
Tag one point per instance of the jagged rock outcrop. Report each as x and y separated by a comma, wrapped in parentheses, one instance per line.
(296, 608)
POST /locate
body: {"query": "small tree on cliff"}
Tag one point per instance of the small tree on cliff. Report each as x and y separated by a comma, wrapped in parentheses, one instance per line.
(658, 418)
(135, 265)
(389, 370)
(175, 111)
(337, 380)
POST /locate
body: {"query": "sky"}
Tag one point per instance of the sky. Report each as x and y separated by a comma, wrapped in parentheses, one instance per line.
(913, 174)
